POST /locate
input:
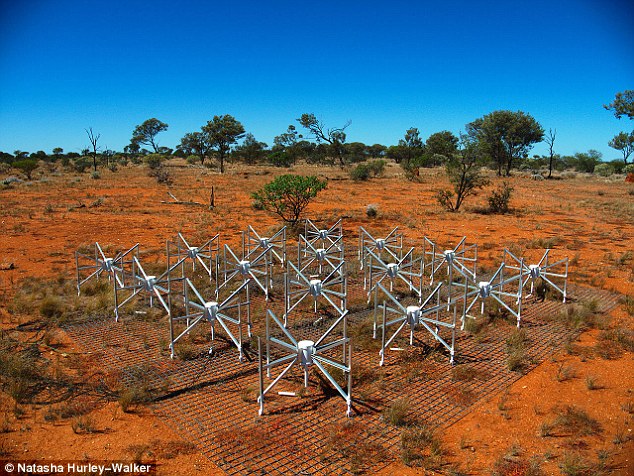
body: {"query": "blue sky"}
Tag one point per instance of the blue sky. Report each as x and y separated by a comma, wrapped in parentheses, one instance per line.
(386, 66)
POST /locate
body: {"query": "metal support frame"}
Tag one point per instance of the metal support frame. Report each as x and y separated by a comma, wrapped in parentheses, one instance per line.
(323, 237)
(305, 354)
(547, 271)
(198, 310)
(275, 244)
(119, 269)
(298, 286)
(153, 286)
(392, 245)
(253, 267)
(461, 262)
(407, 269)
(463, 257)
(205, 254)
(427, 315)
(317, 261)
(482, 291)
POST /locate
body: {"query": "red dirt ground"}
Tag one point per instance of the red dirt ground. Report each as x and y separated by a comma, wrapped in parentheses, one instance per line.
(589, 220)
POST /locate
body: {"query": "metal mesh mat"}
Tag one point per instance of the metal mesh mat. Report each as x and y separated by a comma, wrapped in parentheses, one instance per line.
(211, 400)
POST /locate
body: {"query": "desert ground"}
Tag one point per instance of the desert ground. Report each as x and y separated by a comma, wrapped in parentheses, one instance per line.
(513, 429)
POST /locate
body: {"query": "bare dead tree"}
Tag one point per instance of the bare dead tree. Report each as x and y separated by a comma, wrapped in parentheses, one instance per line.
(93, 142)
(550, 140)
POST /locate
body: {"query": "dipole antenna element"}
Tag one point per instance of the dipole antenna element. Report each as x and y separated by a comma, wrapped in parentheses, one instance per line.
(305, 355)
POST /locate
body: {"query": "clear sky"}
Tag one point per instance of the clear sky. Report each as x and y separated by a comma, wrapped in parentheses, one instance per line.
(66, 65)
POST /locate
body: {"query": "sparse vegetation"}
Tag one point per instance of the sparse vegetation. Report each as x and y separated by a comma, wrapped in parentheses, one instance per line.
(517, 349)
(288, 195)
(500, 198)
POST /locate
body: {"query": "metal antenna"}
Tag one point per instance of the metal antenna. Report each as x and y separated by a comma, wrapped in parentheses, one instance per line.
(159, 287)
(228, 313)
(391, 244)
(407, 270)
(118, 269)
(299, 286)
(550, 273)
(275, 244)
(431, 315)
(253, 267)
(483, 291)
(323, 237)
(305, 354)
(311, 260)
(205, 254)
(461, 264)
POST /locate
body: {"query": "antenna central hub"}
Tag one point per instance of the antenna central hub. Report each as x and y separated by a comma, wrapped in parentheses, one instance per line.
(320, 253)
(380, 244)
(413, 314)
(264, 242)
(211, 310)
(485, 288)
(315, 287)
(306, 349)
(534, 270)
(149, 283)
(245, 267)
(449, 255)
(192, 252)
(323, 234)
(392, 270)
(107, 265)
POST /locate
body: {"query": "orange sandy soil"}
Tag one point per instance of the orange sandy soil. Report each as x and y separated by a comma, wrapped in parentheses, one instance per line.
(587, 219)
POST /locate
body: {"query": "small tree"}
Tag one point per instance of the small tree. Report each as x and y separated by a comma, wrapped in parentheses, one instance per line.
(146, 133)
(26, 166)
(221, 133)
(196, 143)
(623, 142)
(288, 195)
(251, 150)
(623, 104)
(335, 137)
(93, 144)
(464, 173)
(550, 141)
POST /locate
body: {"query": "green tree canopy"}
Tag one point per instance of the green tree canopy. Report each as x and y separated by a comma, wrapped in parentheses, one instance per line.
(195, 143)
(251, 151)
(26, 166)
(623, 104)
(623, 142)
(440, 147)
(146, 133)
(506, 136)
(221, 133)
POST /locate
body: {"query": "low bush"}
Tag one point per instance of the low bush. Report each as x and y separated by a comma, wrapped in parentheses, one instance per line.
(360, 173)
(500, 198)
(604, 170)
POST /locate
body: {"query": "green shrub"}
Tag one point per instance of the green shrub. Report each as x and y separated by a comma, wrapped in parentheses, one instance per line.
(288, 195)
(376, 167)
(628, 169)
(604, 170)
(154, 161)
(80, 164)
(500, 198)
(360, 173)
(26, 166)
(280, 159)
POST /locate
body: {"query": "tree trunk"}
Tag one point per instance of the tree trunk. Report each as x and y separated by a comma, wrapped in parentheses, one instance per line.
(550, 167)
